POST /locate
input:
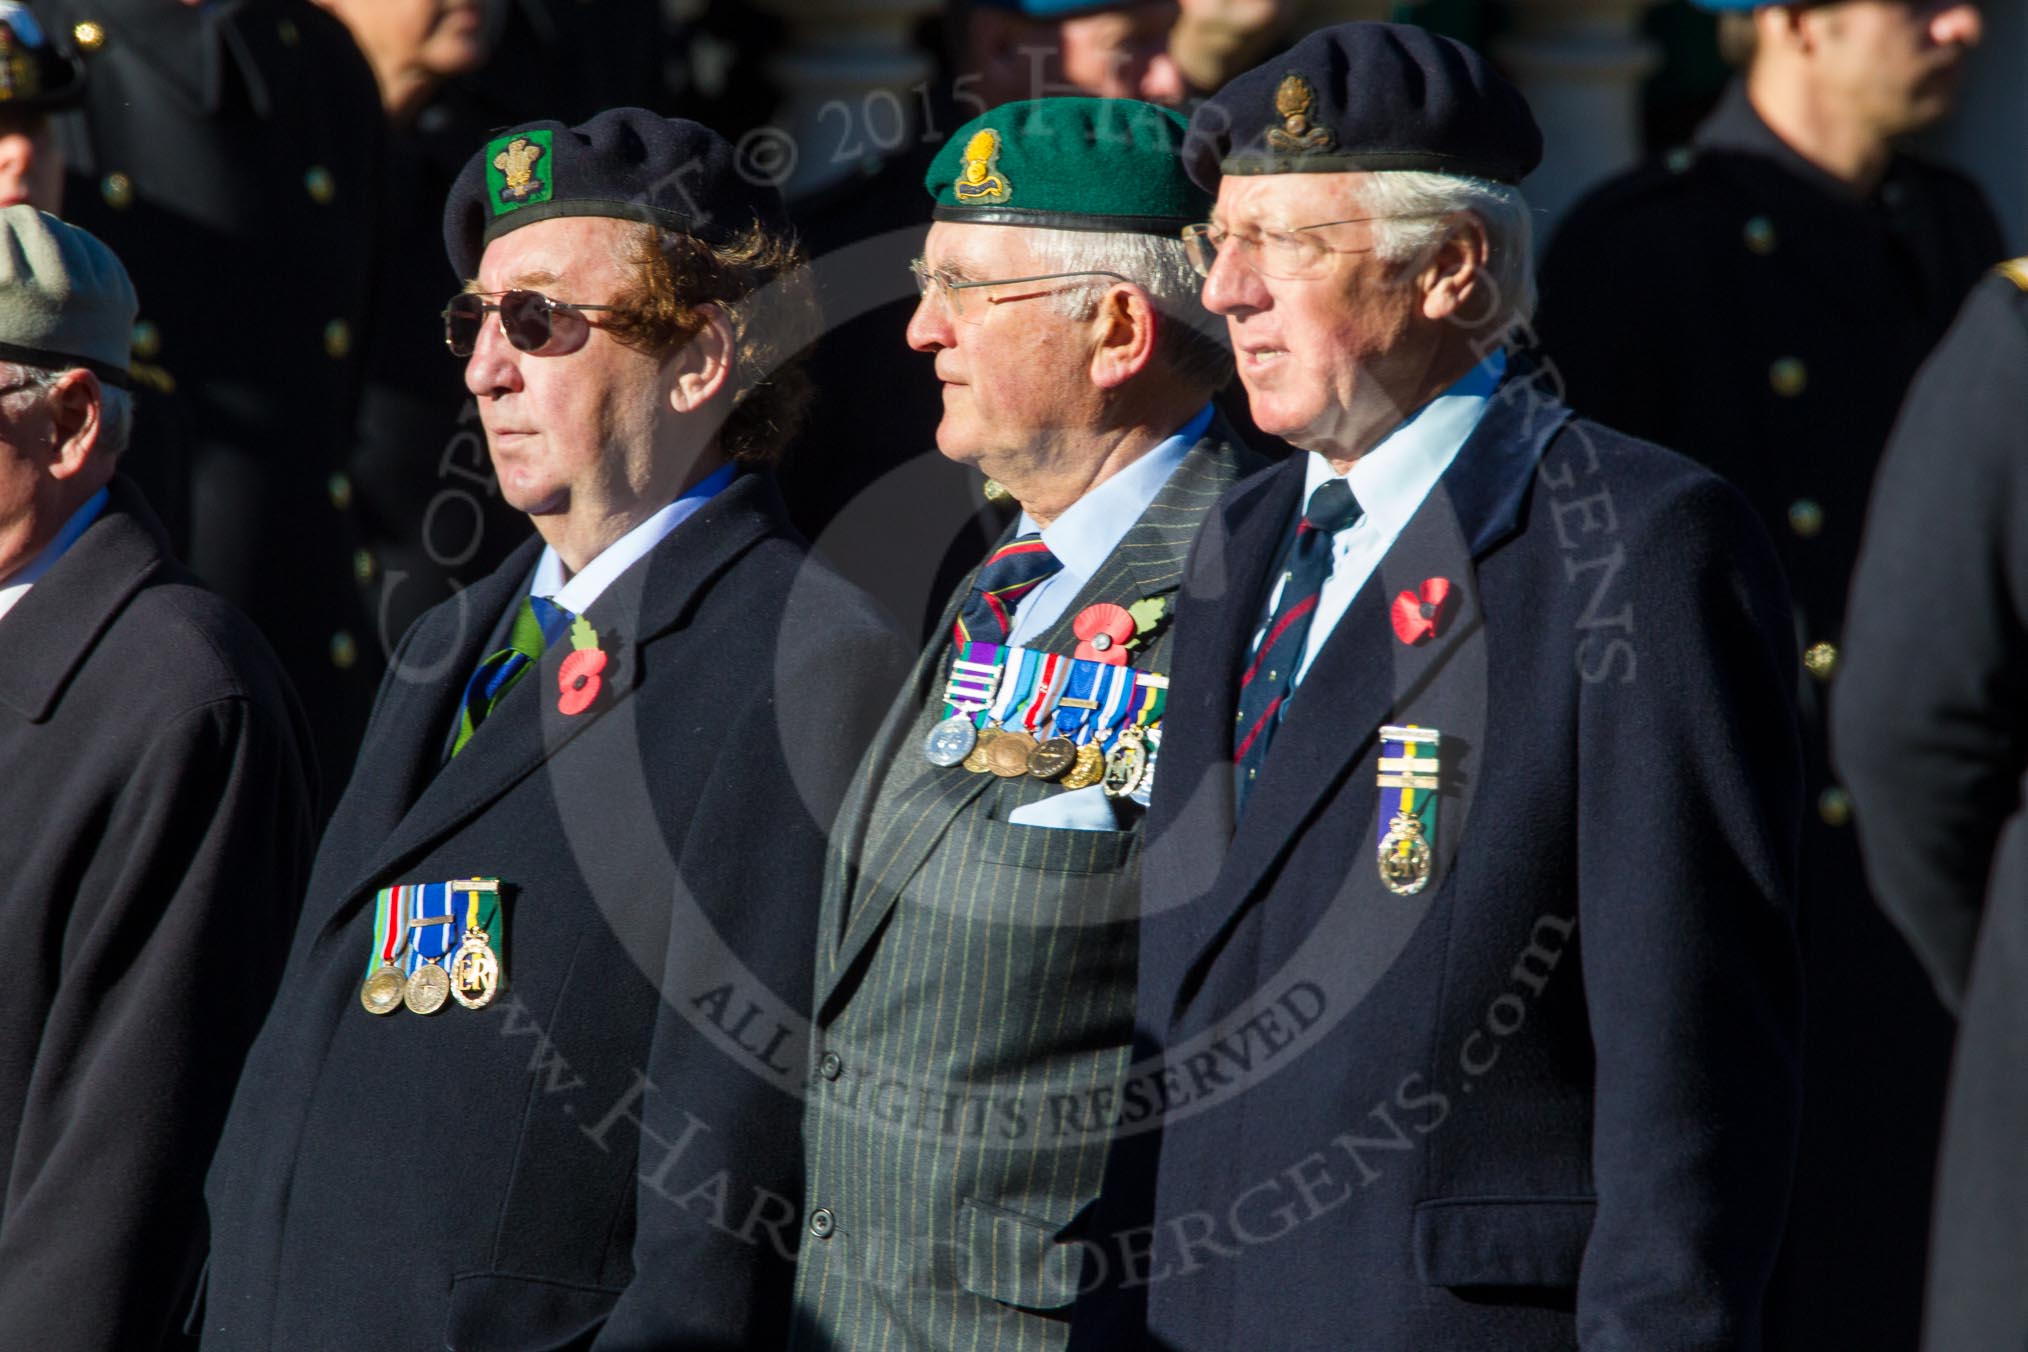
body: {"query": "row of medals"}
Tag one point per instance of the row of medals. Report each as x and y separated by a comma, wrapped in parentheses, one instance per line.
(473, 979)
(1013, 752)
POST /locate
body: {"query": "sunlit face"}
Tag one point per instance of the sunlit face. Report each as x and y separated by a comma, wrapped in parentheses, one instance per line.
(439, 38)
(572, 436)
(31, 166)
(1318, 356)
(1893, 64)
(1016, 372)
(1121, 52)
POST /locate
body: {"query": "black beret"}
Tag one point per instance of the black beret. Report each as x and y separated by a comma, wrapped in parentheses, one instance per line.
(626, 163)
(1366, 97)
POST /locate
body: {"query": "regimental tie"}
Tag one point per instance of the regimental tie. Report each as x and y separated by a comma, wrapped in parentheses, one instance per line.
(537, 624)
(1014, 570)
(1278, 649)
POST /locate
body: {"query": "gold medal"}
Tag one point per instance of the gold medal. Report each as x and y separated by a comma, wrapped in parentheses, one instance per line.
(1089, 769)
(1404, 856)
(1053, 758)
(381, 994)
(975, 759)
(428, 987)
(475, 971)
(1008, 756)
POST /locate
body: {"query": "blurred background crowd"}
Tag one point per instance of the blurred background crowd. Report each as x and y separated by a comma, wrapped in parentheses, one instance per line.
(1742, 261)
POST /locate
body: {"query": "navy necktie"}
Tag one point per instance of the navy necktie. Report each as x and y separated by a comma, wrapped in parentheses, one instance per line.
(1014, 569)
(1265, 686)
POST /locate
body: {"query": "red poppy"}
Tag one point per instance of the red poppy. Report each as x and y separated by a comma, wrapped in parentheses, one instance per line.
(1417, 615)
(577, 680)
(1104, 630)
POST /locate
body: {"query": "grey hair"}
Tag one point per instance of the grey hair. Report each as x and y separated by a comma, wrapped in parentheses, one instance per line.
(116, 406)
(1415, 209)
(1189, 339)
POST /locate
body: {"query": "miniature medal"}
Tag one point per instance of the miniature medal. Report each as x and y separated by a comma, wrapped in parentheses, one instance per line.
(1007, 757)
(1053, 758)
(475, 972)
(1404, 856)
(950, 741)
(1126, 763)
(383, 990)
(1409, 788)
(1089, 769)
(428, 987)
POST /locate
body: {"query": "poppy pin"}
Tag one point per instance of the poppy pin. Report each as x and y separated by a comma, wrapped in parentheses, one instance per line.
(1418, 615)
(578, 679)
(1104, 632)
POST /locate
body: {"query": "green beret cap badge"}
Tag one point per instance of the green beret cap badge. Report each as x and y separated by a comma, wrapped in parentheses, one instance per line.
(979, 183)
(510, 171)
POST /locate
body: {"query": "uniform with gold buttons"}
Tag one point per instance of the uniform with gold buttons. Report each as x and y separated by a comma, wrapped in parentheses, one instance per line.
(1736, 303)
(229, 154)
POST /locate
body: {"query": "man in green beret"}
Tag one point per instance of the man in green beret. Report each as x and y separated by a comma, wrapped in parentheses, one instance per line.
(975, 975)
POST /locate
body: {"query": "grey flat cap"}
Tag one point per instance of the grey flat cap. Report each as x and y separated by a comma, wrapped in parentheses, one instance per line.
(65, 299)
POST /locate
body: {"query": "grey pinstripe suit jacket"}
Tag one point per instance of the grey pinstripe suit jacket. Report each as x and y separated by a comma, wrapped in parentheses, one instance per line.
(975, 995)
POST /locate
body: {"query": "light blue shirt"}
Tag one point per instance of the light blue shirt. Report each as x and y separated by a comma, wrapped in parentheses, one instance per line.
(577, 594)
(1390, 481)
(1092, 527)
(17, 586)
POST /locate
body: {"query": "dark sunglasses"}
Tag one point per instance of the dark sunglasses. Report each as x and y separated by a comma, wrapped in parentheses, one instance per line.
(533, 322)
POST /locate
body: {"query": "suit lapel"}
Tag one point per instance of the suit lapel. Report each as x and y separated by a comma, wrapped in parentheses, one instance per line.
(527, 728)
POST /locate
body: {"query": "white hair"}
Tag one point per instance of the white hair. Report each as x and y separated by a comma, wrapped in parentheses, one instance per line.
(116, 406)
(1189, 338)
(1417, 211)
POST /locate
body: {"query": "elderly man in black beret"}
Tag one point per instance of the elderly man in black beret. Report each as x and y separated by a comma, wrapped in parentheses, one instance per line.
(1467, 952)
(155, 830)
(539, 1029)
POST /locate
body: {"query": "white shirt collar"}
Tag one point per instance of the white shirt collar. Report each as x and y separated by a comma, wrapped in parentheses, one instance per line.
(577, 594)
(17, 586)
(1393, 478)
(1092, 527)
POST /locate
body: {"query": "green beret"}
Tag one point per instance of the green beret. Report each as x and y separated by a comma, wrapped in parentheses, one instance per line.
(1069, 164)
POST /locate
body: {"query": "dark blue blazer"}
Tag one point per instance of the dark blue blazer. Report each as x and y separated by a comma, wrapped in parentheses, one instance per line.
(1551, 1099)
(490, 1181)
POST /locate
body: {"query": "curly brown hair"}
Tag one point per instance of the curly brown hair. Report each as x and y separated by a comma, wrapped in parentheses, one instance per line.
(762, 283)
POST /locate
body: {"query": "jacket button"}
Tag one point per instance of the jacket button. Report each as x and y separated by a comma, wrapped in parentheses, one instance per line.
(1806, 517)
(822, 1223)
(1787, 377)
(317, 182)
(1821, 659)
(829, 1065)
(339, 486)
(337, 340)
(147, 340)
(344, 650)
(364, 566)
(118, 190)
(89, 35)
(1834, 806)
(1759, 234)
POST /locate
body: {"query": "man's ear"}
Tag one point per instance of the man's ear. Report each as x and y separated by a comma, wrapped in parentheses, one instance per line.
(702, 367)
(1454, 282)
(1124, 327)
(75, 405)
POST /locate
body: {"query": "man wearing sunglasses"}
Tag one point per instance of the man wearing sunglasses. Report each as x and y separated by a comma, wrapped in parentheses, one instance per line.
(1468, 940)
(551, 980)
(974, 997)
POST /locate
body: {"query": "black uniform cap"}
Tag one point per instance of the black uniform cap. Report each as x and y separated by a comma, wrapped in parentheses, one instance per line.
(627, 163)
(1366, 97)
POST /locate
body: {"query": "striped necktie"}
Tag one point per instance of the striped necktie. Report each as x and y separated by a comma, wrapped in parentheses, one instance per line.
(1013, 570)
(1265, 687)
(538, 623)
